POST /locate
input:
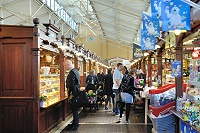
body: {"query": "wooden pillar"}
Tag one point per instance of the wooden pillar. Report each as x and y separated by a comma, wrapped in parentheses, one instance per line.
(90, 65)
(84, 70)
(149, 71)
(35, 83)
(179, 56)
(140, 64)
(137, 63)
(62, 76)
(143, 66)
(75, 61)
(159, 66)
(93, 66)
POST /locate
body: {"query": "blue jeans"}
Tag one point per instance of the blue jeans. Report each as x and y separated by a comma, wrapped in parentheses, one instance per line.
(115, 107)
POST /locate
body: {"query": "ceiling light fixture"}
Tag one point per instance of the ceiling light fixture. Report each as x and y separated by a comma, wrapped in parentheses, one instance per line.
(178, 32)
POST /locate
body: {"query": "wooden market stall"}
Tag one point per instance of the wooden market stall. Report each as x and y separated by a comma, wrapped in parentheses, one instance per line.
(31, 70)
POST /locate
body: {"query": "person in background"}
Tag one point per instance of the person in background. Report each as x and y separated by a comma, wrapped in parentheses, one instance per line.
(124, 70)
(117, 78)
(108, 87)
(127, 96)
(92, 78)
(73, 79)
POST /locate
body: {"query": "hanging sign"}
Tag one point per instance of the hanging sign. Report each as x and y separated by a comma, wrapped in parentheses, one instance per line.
(176, 68)
(156, 9)
(147, 42)
(137, 52)
(150, 26)
(196, 54)
(175, 15)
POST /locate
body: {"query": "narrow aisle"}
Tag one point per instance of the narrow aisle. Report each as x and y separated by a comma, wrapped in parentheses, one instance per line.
(104, 121)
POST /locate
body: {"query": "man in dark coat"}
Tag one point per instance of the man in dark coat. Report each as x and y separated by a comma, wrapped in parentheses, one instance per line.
(73, 86)
(108, 88)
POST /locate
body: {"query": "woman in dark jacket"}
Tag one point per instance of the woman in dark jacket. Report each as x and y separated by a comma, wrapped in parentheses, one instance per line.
(92, 78)
(127, 96)
(108, 87)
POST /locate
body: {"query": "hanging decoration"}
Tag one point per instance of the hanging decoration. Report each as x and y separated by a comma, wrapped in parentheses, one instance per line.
(150, 26)
(156, 9)
(147, 42)
(175, 15)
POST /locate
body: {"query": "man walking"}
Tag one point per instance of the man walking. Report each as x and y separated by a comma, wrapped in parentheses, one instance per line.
(117, 78)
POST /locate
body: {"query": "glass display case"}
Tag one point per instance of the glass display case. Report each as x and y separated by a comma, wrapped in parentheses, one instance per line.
(49, 78)
(50, 88)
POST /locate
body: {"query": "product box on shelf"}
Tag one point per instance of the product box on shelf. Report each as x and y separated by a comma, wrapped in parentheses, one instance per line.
(185, 128)
(162, 99)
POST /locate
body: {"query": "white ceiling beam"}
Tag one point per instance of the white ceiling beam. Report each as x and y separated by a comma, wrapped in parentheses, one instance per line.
(97, 17)
(123, 21)
(10, 3)
(37, 10)
(135, 14)
(16, 14)
(120, 26)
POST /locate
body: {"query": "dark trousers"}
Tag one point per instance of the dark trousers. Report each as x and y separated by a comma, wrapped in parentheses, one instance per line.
(108, 99)
(75, 117)
(128, 108)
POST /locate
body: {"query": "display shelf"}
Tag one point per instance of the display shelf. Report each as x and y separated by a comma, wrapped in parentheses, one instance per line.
(195, 83)
(49, 75)
(179, 115)
(50, 105)
(50, 88)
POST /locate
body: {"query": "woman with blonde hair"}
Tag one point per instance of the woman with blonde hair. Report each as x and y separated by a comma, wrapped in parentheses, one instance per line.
(92, 78)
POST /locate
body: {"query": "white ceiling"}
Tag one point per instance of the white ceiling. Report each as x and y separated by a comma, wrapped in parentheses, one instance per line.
(117, 20)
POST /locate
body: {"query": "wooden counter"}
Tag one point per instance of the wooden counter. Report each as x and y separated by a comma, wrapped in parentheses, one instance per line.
(53, 115)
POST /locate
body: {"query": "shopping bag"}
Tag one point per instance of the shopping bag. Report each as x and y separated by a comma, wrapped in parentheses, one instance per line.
(79, 100)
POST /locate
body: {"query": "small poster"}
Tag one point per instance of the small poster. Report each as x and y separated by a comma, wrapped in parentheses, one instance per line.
(176, 68)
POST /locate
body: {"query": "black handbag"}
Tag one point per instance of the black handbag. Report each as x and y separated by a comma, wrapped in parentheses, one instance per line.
(79, 100)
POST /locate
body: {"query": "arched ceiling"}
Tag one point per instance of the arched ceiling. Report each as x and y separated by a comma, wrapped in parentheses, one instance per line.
(116, 20)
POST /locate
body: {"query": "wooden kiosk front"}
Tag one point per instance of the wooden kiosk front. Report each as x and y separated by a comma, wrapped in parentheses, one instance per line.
(21, 58)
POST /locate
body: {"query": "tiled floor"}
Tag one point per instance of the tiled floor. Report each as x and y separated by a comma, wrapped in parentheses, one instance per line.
(104, 121)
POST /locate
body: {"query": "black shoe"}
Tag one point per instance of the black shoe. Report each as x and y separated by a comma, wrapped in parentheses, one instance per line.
(69, 127)
(74, 129)
(106, 108)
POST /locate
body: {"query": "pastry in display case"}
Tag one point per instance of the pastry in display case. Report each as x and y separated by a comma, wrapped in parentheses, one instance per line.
(50, 88)
(49, 79)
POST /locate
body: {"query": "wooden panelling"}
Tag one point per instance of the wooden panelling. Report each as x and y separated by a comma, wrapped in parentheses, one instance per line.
(15, 31)
(43, 120)
(16, 117)
(67, 108)
(15, 67)
(82, 81)
(52, 116)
